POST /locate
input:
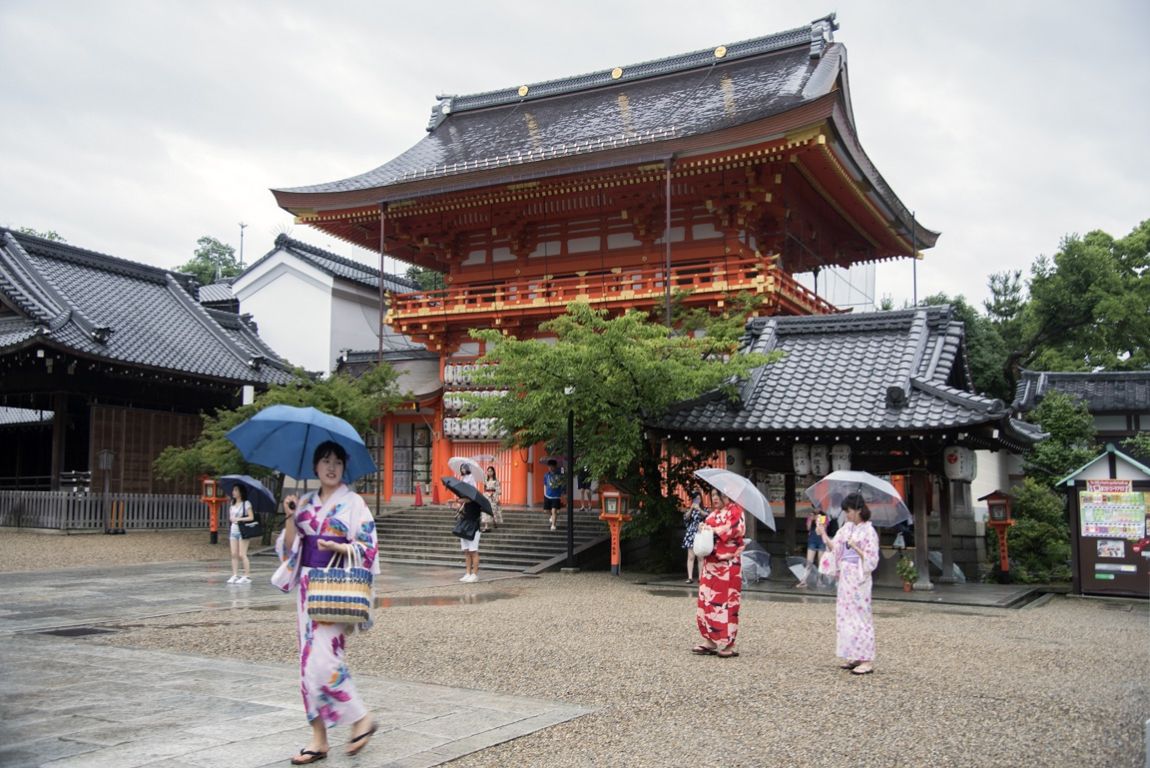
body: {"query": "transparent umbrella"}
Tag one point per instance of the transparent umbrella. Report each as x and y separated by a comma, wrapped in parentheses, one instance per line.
(741, 491)
(886, 506)
(455, 462)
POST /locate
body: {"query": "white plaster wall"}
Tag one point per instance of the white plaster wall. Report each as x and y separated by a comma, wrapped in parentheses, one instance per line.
(354, 320)
(995, 473)
(291, 303)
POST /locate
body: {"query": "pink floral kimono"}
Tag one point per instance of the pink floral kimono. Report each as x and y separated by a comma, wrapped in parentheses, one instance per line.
(853, 619)
(721, 577)
(325, 681)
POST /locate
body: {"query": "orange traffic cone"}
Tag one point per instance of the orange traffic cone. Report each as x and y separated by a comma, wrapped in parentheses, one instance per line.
(418, 495)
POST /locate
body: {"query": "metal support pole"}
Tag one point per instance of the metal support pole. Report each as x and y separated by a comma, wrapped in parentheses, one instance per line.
(571, 488)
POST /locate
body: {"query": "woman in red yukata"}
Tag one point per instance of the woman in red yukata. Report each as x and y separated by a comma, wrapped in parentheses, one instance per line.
(721, 582)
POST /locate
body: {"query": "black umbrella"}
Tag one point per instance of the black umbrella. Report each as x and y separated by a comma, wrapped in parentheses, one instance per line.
(263, 502)
(467, 491)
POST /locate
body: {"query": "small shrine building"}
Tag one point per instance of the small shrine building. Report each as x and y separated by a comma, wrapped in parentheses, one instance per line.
(718, 171)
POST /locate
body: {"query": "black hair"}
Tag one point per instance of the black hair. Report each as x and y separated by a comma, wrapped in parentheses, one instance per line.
(243, 491)
(856, 501)
(464, 469)
(491, 470)
(328, 448)
(552, 463)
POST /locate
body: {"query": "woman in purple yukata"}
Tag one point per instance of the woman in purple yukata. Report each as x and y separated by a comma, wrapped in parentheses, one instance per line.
(855, 551)
(331, 521)
(721, 582)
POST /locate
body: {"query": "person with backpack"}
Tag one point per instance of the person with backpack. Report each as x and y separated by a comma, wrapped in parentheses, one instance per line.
(552, 490)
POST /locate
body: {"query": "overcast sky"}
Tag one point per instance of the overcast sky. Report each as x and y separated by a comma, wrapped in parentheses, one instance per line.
(133, 127)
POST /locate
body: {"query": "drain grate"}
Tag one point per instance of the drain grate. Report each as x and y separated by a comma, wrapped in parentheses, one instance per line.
(76, 631)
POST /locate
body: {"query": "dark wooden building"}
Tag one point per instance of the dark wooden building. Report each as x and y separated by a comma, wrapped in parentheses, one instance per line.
(114, 356)
(891, 390)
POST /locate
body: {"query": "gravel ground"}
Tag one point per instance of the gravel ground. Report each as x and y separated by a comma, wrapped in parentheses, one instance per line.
(1063, 684)
(29, 551)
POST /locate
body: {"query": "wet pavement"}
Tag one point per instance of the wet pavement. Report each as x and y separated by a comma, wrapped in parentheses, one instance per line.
(67, 703)
(971, 594)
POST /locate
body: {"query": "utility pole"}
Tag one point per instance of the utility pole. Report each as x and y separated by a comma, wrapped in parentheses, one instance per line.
(242, 228)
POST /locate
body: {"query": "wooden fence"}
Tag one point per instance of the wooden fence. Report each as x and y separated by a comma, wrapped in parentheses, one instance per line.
(63, 510)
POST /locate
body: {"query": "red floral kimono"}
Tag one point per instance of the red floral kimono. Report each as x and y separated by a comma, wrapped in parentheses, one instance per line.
(721, 577)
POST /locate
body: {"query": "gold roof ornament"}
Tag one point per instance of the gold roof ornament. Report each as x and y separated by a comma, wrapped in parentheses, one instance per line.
(523, 89)
(720, 52)
(616, 73)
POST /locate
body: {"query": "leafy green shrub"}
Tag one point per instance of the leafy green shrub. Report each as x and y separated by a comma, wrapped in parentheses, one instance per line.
(1039, 540)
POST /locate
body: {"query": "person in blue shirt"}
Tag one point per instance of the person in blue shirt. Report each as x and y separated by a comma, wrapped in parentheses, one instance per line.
(552, 490)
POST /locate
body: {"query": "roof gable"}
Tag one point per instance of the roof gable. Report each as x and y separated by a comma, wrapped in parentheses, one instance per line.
(1103, 391)
(336, 266)
(676, 97)
(101, 307)
(879, 371)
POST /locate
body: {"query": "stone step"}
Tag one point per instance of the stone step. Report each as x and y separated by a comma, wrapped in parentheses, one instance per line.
(422, 535)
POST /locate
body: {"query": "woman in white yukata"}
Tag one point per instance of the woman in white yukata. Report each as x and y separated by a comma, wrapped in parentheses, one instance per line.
(855, 552)
(331, 521)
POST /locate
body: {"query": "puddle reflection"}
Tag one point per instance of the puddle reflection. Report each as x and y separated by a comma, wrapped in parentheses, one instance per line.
(467, 599)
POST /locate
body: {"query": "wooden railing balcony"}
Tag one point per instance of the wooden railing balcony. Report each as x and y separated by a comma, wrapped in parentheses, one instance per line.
(706, 283)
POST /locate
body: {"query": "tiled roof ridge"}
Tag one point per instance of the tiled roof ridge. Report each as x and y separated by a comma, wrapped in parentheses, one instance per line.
(198, 312)
(42, 299)
(818, 34)
(890, 319)
(898, 392)
(764, 341)
(102, 261)
(284, 241)
(37, 298)
(1047, 376)
(250, 332)
(980, 403)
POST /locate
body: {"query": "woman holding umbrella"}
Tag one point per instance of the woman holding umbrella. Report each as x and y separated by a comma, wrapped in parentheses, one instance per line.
(333, 521)
(240, 512)
(855, 552)
(721, 581)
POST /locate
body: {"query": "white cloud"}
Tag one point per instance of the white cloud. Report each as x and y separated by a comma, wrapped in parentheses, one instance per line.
(135, 127)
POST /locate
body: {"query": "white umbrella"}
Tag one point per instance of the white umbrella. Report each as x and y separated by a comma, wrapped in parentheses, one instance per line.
(741, 491)
(455, 462)
(886, 506)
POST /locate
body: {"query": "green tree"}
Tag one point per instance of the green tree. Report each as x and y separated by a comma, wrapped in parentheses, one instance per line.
(428, 279)
(359, 401)
(51, 234)
(1088, 306)
(1138, 446)
(1071, 438)
(212, 260)
(985, 350)
(1039, 540)
(615, 375)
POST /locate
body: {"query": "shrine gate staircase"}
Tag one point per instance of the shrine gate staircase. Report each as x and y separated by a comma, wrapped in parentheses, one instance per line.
(524, 543)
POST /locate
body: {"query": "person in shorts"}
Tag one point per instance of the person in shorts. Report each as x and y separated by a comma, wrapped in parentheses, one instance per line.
(471, 510)
(552, 490)
(583, 480)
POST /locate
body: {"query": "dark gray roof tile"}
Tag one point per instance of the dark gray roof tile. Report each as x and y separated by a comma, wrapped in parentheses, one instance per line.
(110, 309)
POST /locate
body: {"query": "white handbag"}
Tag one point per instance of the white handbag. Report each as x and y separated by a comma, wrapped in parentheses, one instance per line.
(704, 543)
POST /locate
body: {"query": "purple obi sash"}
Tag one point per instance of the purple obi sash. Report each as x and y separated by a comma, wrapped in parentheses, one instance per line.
(850, 556)
(311, 556)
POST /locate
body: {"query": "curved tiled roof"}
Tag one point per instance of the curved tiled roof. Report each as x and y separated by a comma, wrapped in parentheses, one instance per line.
(104, 308)
(1103, 392)
(879, 371)
(338, 266)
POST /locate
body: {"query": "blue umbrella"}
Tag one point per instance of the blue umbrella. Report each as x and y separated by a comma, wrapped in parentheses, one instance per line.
(263, 501)
(284, 438)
